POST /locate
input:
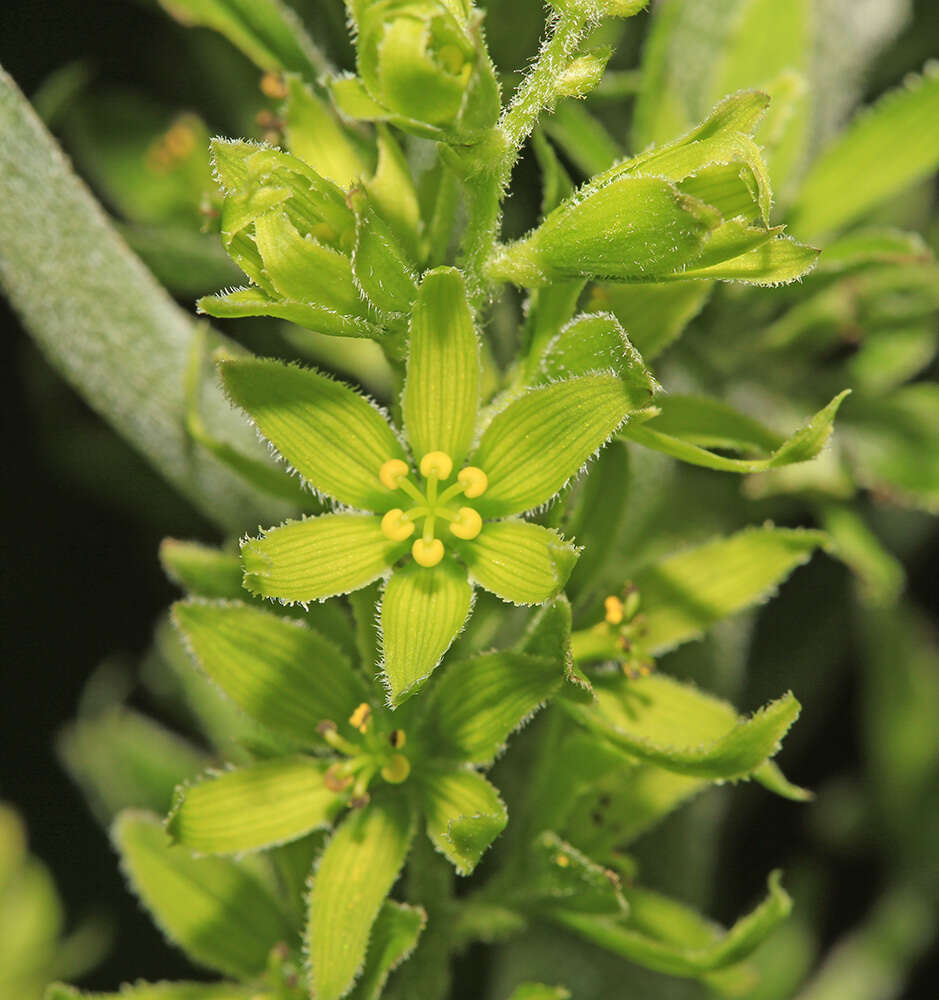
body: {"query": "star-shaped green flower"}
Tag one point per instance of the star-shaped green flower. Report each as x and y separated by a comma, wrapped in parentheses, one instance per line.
(458, 524)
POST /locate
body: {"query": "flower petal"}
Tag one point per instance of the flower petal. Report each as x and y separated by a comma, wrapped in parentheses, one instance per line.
(534, 446)
(441, 395)
(520, 562)
(356, 871)
(277, 671)
(271, 802)
(335, 438)
(318, 558)
(421, 613)
(464, 814)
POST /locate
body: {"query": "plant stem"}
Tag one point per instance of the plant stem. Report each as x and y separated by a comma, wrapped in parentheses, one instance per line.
(486, 167)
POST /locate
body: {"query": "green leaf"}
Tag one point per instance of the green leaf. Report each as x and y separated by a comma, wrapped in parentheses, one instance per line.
(202, 569)
(582, 136)
(216, 910)
(893, 445)
(672, 958)
(422, 610)
(687, 593)
(335, 438)
(880, 573)
(556, 185)
(683, 730)
(394, 937)
(654, 315)
(593, 344)
(520, 562)
(380, 264)
(478, 703)
(120, 759)
(887, 148)
(268, 32)
(391, 190)
(355, 873)
(275, 670)
(538, 442)
(677, 431)
(441, 394)
(464, 814)
(320, 557)
(269, 803)
(242, 302)
(101, 319)
(160, 991)
(538, 991)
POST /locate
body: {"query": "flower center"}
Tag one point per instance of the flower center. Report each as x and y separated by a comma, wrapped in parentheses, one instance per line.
(430, 505)
(377, 751)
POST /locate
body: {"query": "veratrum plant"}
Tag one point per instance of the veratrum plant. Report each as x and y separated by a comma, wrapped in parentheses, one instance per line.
(497, 531)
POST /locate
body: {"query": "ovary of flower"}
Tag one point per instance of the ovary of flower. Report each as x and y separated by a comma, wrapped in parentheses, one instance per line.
(431, 506)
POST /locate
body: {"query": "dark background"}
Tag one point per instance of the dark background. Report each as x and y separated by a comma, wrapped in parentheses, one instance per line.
(84, 516)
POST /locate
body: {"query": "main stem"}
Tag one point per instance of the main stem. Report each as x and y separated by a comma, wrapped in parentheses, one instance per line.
(486, 167)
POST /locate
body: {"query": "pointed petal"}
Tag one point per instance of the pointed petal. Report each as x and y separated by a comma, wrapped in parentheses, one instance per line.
(538, 442)
(335, 438)
(277, 671)
(464, 814)
(421, 612)
(520, 562)
(441, 394)
(355, 873)
(318, 558)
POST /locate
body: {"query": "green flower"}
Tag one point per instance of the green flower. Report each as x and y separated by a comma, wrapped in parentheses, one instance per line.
(457, 525)
(347, 763)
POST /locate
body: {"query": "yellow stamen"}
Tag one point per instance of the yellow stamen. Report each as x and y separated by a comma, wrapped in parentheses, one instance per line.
(562, 861)
(396, 525)
(361, 717)
(474, 481)
(467, 523)
(397, 738)
(427, 553)
(614, 610)
(273, 86)
(436, 463)
(397, 769)
(392, 472)
(336, 779)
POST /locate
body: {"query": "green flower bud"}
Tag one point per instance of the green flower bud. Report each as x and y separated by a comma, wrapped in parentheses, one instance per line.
(583, 74)
(296, 235)
(684, 210)
(423, 63)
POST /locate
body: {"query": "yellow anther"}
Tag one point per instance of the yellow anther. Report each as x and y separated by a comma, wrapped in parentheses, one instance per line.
(468, 523)
(336, 780)
(361, 717)
(396, 526)
(392, 472)
(397, 769)
(562, 861)
(397, 738)
(436, 463)
(613, 607)
(427, 553)
(273, 86)
(474, 481)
